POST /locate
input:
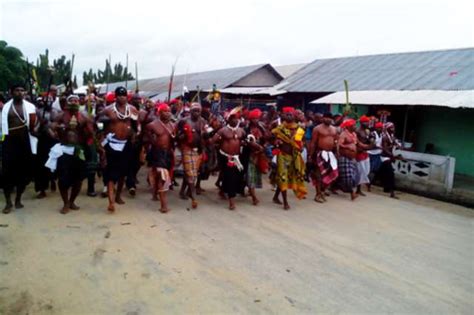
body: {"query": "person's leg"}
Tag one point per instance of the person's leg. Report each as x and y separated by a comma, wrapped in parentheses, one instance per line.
(319, 197)
(118, 195)
(191, 194)
(163, 197)
(286, 206)
(8, 200)
(255, 200)
(91, 185)
(20, 189)
(64, 191)
(276, 196)
(184, 186)
(75, 190)
(110, 194)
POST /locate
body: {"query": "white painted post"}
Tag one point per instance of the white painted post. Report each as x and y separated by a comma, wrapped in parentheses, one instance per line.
(449, 178)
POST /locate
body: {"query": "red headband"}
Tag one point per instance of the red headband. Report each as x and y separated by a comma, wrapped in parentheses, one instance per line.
(288, 110)
(161, 107)
(348, 123)
(364, 119)
(255, 114)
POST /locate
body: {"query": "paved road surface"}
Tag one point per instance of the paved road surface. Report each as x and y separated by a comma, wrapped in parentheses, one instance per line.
(375, 255)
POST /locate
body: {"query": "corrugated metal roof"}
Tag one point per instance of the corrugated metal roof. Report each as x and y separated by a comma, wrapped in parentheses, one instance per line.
(262, 90)
(428, 70)
(454, 99)
(287, 70)
(222, 78)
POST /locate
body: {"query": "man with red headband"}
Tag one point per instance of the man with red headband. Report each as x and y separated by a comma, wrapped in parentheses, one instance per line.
(364, 143)
(230, 140)
(189, 136)
(290, 171)
(160, 155)
(347, 147)
(257, 136)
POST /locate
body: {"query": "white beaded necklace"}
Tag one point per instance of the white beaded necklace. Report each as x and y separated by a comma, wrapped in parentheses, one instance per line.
(121, 116)
(23, 120)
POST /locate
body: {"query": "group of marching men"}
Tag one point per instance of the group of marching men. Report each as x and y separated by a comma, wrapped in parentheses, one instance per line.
(65, 140)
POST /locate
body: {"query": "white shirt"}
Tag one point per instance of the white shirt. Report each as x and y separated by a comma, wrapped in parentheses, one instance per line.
(28, 109)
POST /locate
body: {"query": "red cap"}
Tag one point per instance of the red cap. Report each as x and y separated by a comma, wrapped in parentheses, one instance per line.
(288, 109)
(255, 114)
(110, 97)
(364, 119)
(379, 125)
(348, 123)
(161, 106)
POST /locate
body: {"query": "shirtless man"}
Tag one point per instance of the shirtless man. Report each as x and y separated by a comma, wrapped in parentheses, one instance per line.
(321, 152)
(347, 145)
(43, 176)
(190, 143)
(116, 146)
(71, 128)
(230, 139)
(161, 134)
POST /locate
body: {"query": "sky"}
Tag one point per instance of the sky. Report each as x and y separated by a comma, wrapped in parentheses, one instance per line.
(207, 34)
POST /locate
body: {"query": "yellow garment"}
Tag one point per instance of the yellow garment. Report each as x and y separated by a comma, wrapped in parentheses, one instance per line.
(291, 167)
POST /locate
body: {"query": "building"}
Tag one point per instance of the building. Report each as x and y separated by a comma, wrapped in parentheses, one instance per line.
(429, 95)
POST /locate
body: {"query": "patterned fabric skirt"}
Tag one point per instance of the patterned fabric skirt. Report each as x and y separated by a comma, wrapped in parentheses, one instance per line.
(191, 163)
(347, 173)
(290, 172)
(254, 177)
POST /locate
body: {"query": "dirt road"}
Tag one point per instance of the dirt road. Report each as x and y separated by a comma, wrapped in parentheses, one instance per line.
(375, 255)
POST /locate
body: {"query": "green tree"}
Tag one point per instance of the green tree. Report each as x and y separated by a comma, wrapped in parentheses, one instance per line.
(117, 74)
(61, 69)
(12, 66)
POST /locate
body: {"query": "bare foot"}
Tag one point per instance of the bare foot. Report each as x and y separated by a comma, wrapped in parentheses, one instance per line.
(119, 201)
(8, 208)
(286, 206)
(319, 199)
(164, 210)
(222, 195)
(231, 205)
(19, 205)
(354, 196)
(111, 208)
(64, 210)
(154, 198)
(73, 206)
(194, 204)
(41, 195)
(255, 201)
(277, 201)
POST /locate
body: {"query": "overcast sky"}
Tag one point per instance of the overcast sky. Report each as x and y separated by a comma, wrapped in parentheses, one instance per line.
(208, 35)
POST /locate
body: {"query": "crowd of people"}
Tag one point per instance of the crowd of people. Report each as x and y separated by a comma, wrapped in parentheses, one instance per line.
(58, 142)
